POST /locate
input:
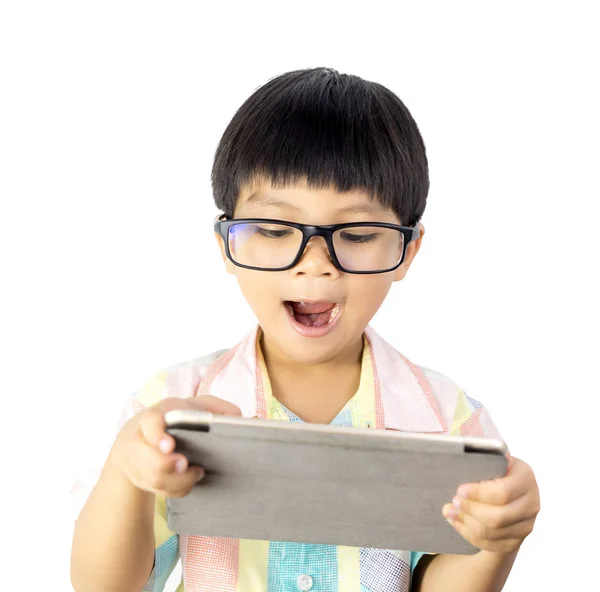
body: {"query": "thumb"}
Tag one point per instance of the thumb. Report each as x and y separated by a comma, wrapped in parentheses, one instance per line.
(214, 405)
(203, 403)
(510, 464)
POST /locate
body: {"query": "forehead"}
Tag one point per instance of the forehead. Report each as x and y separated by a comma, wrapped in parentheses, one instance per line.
(302, 203)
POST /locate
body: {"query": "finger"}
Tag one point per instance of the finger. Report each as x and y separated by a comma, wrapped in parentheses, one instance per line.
(203, 403)
(179, 477)
(151, 463)
(504, 545)
(215, 405)
(152, 426)
(510, 463)
(495, 516)
(162, 473)
(503, 490)
(181, 484)
(486, 533)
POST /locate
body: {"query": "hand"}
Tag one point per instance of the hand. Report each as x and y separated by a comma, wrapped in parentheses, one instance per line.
(497, 515)
(143, 451)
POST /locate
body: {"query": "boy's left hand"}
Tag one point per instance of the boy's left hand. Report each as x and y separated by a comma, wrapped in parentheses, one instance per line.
(497, 515)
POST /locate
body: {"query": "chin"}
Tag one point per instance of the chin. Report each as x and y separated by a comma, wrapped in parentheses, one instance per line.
(313, 350)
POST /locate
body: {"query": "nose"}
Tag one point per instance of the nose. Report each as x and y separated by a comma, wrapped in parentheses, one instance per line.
(316, 260)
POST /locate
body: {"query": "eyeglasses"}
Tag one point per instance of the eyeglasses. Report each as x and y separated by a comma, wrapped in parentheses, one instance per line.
(276, 245)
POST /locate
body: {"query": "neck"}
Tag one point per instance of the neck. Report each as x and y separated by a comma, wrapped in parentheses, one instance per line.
(315, 392)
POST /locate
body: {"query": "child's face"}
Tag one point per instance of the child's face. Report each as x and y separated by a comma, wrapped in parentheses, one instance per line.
(340, 305)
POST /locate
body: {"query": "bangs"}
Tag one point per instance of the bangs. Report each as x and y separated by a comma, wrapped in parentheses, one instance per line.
(327, 130)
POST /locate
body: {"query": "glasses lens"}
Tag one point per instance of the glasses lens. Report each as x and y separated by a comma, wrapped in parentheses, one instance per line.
(368, 248)
(264, 245)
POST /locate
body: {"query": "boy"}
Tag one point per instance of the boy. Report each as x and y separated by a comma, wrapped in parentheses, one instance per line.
(322, 179)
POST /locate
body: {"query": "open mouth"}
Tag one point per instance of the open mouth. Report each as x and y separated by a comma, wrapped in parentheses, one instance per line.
(312, 314)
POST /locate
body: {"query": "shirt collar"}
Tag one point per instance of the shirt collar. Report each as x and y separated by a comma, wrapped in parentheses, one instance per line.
(407, 397)
(402, 392)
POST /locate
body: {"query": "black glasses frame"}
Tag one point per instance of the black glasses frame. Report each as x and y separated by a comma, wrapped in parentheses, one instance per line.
(223, 224)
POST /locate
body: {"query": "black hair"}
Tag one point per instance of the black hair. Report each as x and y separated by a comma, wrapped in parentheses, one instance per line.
(330, 129)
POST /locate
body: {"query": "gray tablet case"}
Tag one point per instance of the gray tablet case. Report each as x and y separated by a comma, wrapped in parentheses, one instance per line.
(298, 482)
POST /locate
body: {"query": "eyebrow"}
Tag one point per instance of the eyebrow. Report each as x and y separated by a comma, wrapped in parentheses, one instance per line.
(359, 208)
(264, 200)
(363, 208)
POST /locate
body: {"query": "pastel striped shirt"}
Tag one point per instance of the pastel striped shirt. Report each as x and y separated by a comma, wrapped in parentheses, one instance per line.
(393, 394)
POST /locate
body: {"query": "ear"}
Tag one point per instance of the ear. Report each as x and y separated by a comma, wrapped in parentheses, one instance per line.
(229, 266)
(411, 253)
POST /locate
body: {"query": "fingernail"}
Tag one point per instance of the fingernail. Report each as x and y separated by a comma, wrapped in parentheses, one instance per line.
(449, 511)
(200, 475)
(164, 444)
(463, 491)
(181, 465)
(456, 501)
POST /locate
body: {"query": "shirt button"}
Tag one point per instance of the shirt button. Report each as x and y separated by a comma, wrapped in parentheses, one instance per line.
(305, 583)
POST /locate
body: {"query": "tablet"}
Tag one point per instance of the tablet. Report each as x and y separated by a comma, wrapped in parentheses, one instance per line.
(299, 482)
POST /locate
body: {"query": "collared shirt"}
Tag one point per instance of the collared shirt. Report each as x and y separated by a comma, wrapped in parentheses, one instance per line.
(393, 394)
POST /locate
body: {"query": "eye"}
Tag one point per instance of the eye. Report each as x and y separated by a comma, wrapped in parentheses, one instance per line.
(352, 237)
(274, 232)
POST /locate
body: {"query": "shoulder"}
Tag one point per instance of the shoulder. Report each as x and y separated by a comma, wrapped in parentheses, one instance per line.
(446, 389)
(464, 414)
(432, 398)
(178, 380)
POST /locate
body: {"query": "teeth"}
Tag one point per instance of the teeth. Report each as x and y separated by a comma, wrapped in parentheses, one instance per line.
(334, 312)
(290, 309)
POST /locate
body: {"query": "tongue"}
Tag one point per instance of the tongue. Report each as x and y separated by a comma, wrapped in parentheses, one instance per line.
(307, 308)
(312, 315)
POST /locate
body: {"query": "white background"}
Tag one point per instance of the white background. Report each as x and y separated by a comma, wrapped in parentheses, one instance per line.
(110, 115)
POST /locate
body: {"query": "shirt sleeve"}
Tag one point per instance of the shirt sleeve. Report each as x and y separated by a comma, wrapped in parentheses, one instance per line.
(471, 418)
(166, 549)
(166, 542)
(166, 553)
(414, 559)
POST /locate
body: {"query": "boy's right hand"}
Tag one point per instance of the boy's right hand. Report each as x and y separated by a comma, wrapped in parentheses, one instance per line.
(143, 451)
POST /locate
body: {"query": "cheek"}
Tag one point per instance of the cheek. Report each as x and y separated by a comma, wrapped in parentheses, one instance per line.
(369, 292)
(260, 289)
